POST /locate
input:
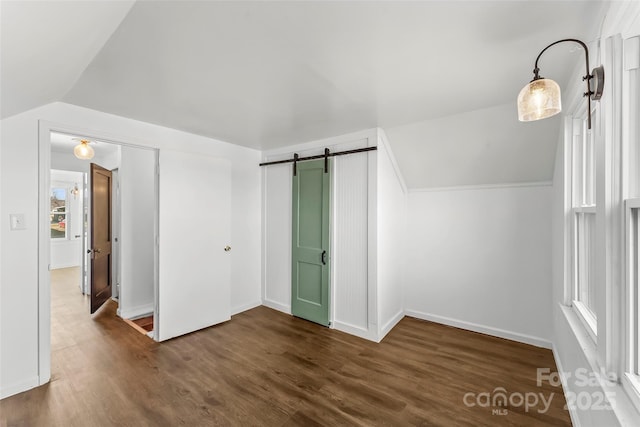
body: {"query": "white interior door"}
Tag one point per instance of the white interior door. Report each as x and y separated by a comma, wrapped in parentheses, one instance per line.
(195, 222)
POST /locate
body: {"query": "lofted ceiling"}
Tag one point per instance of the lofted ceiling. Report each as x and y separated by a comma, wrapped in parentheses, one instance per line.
(267, 74)
(46, 45)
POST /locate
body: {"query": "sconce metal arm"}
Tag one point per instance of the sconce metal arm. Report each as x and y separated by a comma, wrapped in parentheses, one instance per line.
(581, 43)
(598, 72)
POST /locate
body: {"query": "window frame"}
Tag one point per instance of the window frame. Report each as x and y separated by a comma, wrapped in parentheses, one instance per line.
(61, 186)
(631, 375)
(582, 199)
(75, 209)
(631, 166)
(618, 188)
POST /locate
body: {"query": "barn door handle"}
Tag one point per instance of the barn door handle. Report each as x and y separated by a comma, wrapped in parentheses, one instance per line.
(324, 257)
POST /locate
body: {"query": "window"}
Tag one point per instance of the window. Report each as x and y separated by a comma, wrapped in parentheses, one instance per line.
(58, 213)
(583, 211)
(631, 378)
(602, 198)
(631, 144)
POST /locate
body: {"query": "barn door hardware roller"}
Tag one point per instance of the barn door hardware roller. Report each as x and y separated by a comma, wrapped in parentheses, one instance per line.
(296, 158)
(326, 160)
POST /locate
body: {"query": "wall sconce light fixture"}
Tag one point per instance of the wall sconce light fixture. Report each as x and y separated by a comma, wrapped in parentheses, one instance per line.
(75, 191)
(540, 98)
(83, 151)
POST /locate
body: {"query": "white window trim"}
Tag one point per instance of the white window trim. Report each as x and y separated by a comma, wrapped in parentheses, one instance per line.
(587, 319)
(64, 186)
(608, 207)
(611, 351)
(586, 315)
(631, 387)
(585, 209)
(630, 380)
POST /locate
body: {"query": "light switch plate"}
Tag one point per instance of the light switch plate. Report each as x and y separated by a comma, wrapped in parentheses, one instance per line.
(17, 222)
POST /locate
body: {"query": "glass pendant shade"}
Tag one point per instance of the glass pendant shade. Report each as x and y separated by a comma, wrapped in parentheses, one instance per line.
(538, 100)
(83, 151)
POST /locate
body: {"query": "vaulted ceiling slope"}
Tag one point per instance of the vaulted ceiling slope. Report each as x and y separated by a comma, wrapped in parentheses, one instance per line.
(269, 74)
(46, 45)
(484, 147)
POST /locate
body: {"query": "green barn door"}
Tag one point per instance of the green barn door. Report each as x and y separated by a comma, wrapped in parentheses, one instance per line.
(310, 251)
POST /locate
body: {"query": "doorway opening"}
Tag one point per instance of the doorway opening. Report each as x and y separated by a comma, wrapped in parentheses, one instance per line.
(66, 225)
(66, 221)
(112, 231)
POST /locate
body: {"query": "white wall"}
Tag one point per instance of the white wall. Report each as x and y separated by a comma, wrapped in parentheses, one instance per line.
(19, 272)
(479, 259)
(19, 367)
(391, 220)
(136, 179)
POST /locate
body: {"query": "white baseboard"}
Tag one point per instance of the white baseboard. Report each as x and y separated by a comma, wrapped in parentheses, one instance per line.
(137, 311)
(19, 387)
(277, 306)
(390, 324)
(367, 334)
(245, 307)
(358, 331)
(496, 332)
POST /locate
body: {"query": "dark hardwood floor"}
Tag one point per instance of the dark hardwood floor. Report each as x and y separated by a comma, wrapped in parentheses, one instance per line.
(267, 368)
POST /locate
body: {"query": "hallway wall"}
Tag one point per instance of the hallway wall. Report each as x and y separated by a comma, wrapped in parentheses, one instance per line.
(136, 176)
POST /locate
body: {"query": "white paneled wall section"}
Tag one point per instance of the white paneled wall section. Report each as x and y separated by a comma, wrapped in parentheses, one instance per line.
(276, 254)
(391, 235)
(350, 245)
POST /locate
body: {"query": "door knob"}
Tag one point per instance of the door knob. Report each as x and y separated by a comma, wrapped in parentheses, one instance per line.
(227, 248)
(324, 257)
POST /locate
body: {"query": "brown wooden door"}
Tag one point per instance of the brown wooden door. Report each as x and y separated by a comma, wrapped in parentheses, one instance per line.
(100, 194)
